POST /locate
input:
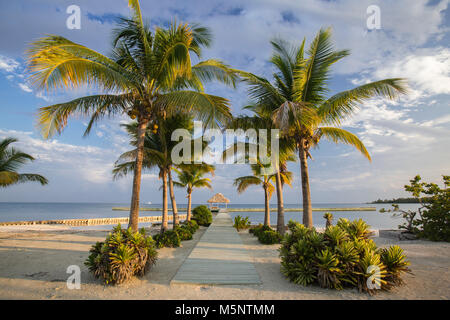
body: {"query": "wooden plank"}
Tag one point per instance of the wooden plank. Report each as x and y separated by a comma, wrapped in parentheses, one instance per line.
(219, 258)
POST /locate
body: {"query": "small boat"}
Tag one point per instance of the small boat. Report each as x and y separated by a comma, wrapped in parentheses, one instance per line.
(148, 202)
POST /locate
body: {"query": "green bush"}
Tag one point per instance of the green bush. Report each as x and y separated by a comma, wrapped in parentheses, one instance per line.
(124, 254)
(168, 238)
(259, 228)
(432, 219)
(241, 223)
(184, 232)
(342, 256)
(191, 225)
(202, 215)
(269, 237)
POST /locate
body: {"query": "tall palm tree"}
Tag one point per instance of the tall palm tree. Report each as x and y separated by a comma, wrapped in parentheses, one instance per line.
(301, 107)
(190, 177)
(148, 76)
(157, 154)
(261, 177)
(11, 159)
(262, 119)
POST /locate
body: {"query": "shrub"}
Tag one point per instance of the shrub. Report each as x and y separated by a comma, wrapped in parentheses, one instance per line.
(124, 254)
(202, 215)
(191, 225)
(184, 232)
(168, 238)
(342, 256)
(432, 219)
(241, 223)
(269, 237)
(259, 228)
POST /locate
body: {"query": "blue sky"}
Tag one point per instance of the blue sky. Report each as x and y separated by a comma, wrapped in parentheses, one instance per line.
(405, 137)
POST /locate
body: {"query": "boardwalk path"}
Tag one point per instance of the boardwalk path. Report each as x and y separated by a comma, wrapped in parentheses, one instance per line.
(218, 258)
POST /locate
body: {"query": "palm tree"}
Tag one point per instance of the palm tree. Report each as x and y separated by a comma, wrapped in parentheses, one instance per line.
(302, 110)
(148, 76)
(262, 119)
(261, 177)
(190, 177)
(11, 159)
(157, 153)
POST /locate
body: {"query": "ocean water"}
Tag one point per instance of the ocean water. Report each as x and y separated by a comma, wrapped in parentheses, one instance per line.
(21, 211)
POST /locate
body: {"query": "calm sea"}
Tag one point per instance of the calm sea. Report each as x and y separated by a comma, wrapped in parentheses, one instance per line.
(17, 211)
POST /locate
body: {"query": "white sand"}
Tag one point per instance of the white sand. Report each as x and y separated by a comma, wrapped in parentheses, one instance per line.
(33, 266)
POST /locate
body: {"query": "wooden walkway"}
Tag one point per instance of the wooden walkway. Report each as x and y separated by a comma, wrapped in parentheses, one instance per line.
(219, 258)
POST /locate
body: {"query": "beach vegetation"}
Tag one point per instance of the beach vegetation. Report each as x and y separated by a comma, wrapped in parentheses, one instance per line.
(184, 232)
(343, 256)
(241, 223)
(432, 219)
(269, 237)
(328, 216)
(169, 239)
(122, 255)
(148, 76)
(202, 215)
(297, 99)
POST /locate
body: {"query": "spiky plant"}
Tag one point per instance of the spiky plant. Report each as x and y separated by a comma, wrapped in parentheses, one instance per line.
(396, 264)
(328, 216)
(124, 254)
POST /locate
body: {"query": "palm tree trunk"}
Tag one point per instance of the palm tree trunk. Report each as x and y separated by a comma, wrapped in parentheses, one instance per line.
(134, 207)
(307, 207)
(172, 199)
(165, 216)
(266, 207)
(188, 218)
(280, 218)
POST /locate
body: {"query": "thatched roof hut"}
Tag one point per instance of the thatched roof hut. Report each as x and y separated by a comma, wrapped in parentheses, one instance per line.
(218, 198)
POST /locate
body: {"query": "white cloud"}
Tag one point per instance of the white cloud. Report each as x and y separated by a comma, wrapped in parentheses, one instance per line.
(25, 87)
(8, 64)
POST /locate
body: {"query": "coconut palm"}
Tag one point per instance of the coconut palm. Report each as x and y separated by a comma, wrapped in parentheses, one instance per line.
(262, 176)
(157, 154)
(148, 76)
(301, 107)
(262, 119)
(11, 159)
(190, 177)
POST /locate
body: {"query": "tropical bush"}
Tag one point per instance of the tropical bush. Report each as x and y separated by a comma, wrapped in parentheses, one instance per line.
(184, 232)
(122, 255)
(169, 238)
(259, 228)
(202, 215)
(191, 225)
(342, 256)
(432, 219)
(241, 223)
(269, 237)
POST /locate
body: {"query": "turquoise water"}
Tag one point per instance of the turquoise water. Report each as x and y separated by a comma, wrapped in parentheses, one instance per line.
(16, 211)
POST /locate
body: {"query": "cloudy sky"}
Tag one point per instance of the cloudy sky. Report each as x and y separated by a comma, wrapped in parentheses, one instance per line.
(405, 137)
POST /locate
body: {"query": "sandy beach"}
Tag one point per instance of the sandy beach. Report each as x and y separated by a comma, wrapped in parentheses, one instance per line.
(33, 265)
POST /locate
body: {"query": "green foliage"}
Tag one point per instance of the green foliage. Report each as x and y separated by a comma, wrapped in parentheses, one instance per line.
(11, 159)
(341, 257)
(432, 220)
(202, 215)
(168, 238)
(184, 232)
(191, 225)
(241, 223)
(258, 229)
(269, 237)
(123, 255)
(328, 216)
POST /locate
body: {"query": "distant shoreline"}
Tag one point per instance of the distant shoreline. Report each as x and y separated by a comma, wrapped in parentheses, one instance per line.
(397, 200)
